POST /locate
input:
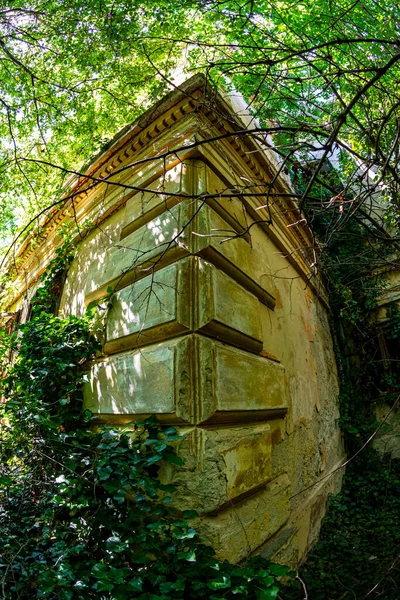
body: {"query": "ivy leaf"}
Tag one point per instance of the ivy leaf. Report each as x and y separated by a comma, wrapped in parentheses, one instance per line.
(170, 586)
(269, 594)
(104, 472)
(278, 570)
(100, 571)
(104, 586)
(190, 514)
(5, 481)
(173, 458)
(153, 459)
(136, 584)
(221, 583)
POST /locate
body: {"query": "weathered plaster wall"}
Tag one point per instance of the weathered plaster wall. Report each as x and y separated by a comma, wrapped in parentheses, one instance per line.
(215, 326)
(257, 408)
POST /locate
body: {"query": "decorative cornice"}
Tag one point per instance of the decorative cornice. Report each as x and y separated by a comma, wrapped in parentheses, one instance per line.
(145, 136)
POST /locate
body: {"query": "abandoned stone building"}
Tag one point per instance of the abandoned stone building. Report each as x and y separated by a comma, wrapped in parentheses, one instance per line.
(218, 322)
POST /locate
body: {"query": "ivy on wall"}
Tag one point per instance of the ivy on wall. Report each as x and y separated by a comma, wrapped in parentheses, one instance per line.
(82, 512)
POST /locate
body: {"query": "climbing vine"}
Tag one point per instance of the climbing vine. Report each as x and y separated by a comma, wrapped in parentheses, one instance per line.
(82, 512)
(357, 555)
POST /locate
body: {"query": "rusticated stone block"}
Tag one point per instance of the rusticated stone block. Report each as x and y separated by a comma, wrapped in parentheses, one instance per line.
(147, 206)
(192, 379)
(242, 527)
(226, 310)
(234, 256)
(138, 382)
(192, 295)
(152, 309)
(154, 245)
(191, 227)
(235, 382)
(221, 465)
(248, 464)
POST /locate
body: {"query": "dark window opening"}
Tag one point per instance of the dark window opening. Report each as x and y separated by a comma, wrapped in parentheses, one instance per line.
(384, 353)
(55, 290)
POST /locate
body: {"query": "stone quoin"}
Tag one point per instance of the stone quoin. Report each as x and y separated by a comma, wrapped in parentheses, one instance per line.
(218, 323)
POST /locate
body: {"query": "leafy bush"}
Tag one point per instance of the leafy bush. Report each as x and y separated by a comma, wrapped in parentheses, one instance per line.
(82, 513)
(357, 555)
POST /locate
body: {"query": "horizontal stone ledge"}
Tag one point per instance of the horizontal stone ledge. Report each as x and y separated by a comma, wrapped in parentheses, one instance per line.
(237, 417)
(172, 330)
(228, 335)
(180, 232)
(133, 341)
(124, 419)
(245, 416)
(232, 502)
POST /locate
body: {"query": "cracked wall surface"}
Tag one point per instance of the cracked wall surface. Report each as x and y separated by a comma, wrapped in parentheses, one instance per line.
(215, 326)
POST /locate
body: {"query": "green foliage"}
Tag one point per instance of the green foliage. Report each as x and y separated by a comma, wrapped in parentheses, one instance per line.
(45, 299)
(73, 73)
(390, 377)
(357, 553)
(82, 512)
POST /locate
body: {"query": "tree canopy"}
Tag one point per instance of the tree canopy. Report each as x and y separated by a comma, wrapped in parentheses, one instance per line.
(322, 77)
(323, 80)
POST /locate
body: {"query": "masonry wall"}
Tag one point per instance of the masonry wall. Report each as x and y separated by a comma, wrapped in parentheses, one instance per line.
(222, 338)
(217, 325)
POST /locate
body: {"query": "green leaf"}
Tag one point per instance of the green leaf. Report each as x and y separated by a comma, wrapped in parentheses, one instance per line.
(221, 583)
(171, 586)
(278, 570)
(100, 571)
(136, 584)
(153, 459)
(104, 586)
(170, 431)
(173, 458)
(91, 306)
(190, 514)
(269, 594)
(5, 481)
(104, 472)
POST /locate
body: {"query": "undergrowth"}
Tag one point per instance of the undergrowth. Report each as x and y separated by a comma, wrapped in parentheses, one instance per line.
(82, 512)
(358, 552)
(357, 555)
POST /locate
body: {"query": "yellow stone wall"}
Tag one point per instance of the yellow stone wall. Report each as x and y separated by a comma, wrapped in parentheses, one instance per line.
(215, 326)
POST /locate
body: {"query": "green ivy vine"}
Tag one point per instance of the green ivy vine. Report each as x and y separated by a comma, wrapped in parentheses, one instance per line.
(357, 555)
(82, 512)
